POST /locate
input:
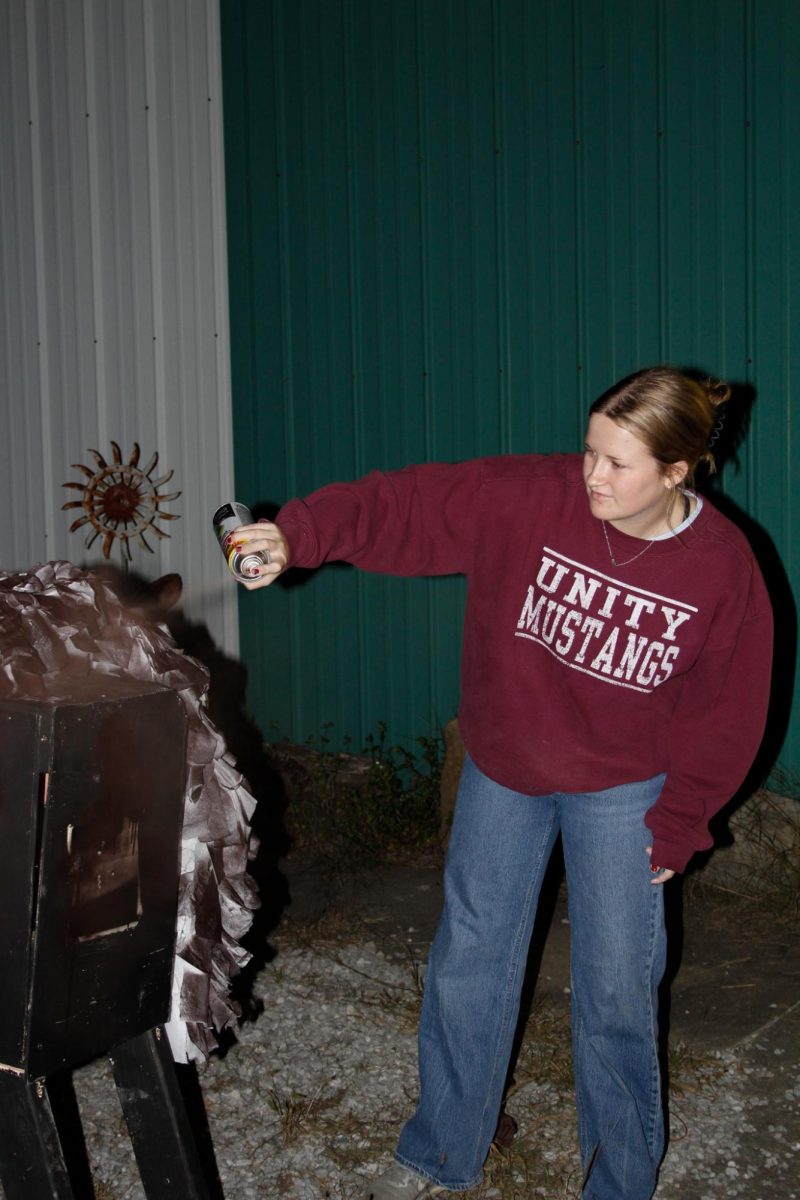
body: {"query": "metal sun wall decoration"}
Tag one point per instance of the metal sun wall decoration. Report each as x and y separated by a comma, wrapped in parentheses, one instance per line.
(121, 500)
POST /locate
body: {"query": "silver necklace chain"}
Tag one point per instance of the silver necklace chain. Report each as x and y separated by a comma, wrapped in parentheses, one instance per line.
(686, 510)
(627, 560)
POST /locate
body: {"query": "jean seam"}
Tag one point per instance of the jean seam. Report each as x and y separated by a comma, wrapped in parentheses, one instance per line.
(655, 1075)
(577, 1039)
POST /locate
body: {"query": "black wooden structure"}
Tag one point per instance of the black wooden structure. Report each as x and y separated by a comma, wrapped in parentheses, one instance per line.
(91, 804)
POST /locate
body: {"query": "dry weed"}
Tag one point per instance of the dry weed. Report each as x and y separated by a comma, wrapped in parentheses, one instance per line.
(298, 1114)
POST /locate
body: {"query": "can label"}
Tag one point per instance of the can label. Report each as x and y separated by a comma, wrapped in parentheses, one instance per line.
(226, 520)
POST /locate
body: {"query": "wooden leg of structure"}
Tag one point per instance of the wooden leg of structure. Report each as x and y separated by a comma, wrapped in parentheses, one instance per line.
(31, 1162)
(151, 1100)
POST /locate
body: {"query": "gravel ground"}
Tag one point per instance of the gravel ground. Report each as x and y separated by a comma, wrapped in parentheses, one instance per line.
(306, 1105)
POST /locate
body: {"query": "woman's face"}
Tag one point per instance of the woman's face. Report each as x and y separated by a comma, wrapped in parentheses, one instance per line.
(625, 484)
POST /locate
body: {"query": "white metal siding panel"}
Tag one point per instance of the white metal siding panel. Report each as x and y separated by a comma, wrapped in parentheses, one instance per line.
(20, 424)
(113, 275)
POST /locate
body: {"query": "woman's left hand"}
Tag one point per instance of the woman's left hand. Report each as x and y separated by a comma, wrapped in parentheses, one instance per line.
(664, 873)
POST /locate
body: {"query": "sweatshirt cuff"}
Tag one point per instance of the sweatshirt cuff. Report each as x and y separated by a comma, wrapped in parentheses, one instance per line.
(670, 856)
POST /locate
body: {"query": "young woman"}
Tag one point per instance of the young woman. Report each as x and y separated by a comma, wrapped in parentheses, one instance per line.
(615, 678)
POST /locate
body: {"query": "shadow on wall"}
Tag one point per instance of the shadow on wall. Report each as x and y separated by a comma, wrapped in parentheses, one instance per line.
(738, 415)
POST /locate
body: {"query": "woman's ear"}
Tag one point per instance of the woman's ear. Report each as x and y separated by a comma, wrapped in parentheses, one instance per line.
(675, 474)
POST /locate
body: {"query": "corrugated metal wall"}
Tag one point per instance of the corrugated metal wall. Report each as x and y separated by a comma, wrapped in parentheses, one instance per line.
(452, 223)
(113, 275)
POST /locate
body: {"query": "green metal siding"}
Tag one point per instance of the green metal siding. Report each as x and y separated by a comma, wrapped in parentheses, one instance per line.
(452, 223)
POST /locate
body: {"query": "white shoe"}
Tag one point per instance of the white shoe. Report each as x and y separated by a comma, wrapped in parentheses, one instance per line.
(400, 1183)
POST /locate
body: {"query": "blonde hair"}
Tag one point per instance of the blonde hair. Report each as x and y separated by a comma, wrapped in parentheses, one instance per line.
(675, 416)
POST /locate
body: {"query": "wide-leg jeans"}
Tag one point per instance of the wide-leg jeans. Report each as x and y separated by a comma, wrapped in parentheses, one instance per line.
(499, 848)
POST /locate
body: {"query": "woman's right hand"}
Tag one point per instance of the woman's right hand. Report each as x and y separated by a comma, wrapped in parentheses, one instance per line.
(263, 536)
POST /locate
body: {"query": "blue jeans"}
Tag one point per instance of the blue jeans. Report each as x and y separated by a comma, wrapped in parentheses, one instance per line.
(499, 848)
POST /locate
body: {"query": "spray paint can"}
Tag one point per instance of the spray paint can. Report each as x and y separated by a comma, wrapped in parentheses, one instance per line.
(243, 565)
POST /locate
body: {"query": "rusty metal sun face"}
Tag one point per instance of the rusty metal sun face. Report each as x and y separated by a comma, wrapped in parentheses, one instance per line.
(121, 501)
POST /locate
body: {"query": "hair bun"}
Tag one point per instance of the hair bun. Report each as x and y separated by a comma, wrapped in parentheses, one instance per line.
(718, 393)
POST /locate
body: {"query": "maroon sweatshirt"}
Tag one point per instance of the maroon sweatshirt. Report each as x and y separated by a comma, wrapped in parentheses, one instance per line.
(576, 675)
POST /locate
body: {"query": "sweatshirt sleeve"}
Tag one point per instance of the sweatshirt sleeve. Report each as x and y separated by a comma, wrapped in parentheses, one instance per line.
(418, 521)
(714, 734)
